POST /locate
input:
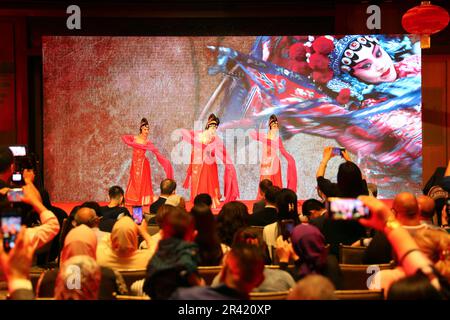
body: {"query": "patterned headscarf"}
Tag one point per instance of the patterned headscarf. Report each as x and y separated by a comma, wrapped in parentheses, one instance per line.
(78, 279)
(124, 237)
(79, 241)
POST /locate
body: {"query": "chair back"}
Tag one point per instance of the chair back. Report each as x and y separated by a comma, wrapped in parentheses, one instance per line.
(35, 274)
(132, 275)
(277, 295)
(258, 230)
(359, 294)
(356, 277)
(209, 273)
(351, 255)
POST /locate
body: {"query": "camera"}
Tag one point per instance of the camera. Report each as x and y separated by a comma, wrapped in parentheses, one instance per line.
(22, 160)
(346, 209)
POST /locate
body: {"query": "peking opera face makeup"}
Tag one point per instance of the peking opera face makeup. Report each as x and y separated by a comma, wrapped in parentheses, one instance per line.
(374, 65)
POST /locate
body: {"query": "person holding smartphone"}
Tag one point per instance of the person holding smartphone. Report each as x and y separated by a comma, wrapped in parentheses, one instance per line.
(350, 183)
(49, 225)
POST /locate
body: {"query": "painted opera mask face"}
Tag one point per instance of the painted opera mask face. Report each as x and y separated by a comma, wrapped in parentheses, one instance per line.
(374, 65)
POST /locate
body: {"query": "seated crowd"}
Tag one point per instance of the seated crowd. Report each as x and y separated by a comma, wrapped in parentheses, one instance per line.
(278, 247)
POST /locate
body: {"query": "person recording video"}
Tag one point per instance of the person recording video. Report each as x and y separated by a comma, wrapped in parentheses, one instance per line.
(13, 199)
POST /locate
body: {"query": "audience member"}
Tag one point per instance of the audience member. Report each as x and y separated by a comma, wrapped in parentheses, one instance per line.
(120, 249)
(232, 217)
(307, 250)
(350, 183)
(259, 205)
(267, 215)
(49, 225)
(176, 200)
(420, 286)
(207, 239)
(114, 210)
(287, 210)
(406, 210)
(412, 260)
(274, 279)
(87, 216)
(82, 241)
(313, 287)
(426, 207)
(46, 255)
(158, 220)
(16, 265)
(203, 198)
(168, 187)
(241, 273)
(88, 282)
(435, 244)
(315, 211)
(175, 261)
(94, 206)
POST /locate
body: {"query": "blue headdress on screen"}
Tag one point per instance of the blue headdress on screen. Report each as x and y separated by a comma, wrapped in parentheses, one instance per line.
(343, 57)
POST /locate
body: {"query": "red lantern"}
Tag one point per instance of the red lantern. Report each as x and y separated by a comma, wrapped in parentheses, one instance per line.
(425, 20)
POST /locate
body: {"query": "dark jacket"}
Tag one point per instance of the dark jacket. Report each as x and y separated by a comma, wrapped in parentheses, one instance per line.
(264, 217)
(258, 206)
(156, 205)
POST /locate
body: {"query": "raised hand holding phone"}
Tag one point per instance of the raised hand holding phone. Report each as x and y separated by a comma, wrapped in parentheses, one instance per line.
(17, 263)
(346, 209)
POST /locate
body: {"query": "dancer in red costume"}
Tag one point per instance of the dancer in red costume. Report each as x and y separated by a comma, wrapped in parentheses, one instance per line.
(202, 171)
(270, 162)
(139, 190)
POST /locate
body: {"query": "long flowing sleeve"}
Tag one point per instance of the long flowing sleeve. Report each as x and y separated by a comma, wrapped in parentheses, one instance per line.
(231, 188)
(163, 161)
(188, 136)
(291, 168)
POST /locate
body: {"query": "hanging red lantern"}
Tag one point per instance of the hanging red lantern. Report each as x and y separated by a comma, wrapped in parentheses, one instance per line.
(425, 20)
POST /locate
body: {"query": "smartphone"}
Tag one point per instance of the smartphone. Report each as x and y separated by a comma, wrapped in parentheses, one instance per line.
(346, 209)
(15, 195)
(17, 177)
(338, 151)
(18, 151)
(137, 214)
(286, 227)
(11, 224)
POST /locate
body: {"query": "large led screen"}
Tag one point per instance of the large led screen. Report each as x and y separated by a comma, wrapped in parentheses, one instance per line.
(358, 92)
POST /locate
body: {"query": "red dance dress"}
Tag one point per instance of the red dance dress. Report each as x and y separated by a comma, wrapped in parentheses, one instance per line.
(139, 189)
(202, 172)
(271, 164)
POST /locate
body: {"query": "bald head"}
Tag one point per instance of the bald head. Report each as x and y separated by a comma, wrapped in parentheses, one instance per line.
(426, 206)
(86, 216)
(406, 208)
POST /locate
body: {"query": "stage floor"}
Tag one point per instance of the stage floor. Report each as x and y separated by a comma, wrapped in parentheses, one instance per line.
(68, 206)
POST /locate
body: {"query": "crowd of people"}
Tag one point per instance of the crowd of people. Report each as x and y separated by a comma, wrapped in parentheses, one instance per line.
(297, 251)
